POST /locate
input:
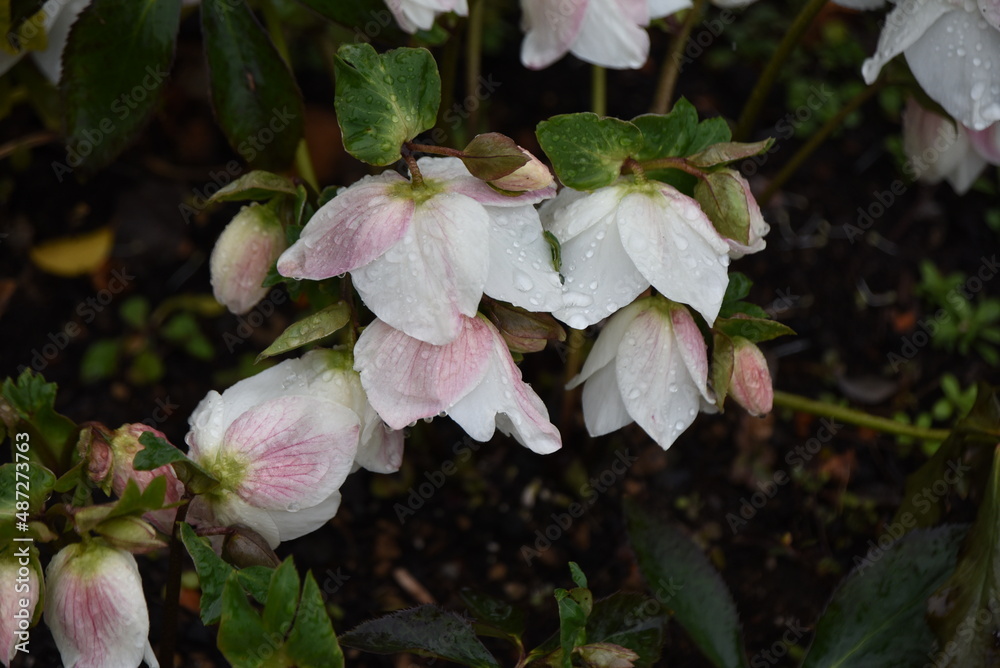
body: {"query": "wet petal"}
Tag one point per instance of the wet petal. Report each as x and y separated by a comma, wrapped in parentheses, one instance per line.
(551, 27)
(610, 37)
(521, 269)
(606, 347)
(603, 408)
(904, 25)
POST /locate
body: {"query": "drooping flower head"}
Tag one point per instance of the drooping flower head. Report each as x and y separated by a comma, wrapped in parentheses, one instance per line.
(422, 257)
(283, 442)
(243, 256)
(750, 384)
(95, 608)
(473, 379)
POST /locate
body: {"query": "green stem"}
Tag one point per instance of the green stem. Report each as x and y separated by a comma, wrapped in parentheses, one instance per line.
(672, 67)
(474, 59)
(816, 140)
(766, 81)
(303, 164)
(671, 163)
(449, 75)
(856, 417)
(172, 603)
(599, 90)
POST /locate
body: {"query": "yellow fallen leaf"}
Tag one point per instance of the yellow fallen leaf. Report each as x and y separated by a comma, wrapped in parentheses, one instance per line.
(74, 256)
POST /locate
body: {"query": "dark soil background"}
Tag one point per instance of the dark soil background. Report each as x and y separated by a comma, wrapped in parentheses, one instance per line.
(851, 299)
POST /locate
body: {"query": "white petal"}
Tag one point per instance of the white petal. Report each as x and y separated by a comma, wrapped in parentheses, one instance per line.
(904, 25)
(432, 277)
(521, 269)
(957, 62)
(452, 175)
(676, 248)
(292, 525)
(610, 39)
(229, 510)
(381, 449)
(655, 383)
(207, 427)
(659, 8)
(50, 60)
(606, 347)
(572, 211)
(603, 408)
(551, 27)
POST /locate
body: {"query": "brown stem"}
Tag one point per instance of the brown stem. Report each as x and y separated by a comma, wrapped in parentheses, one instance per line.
(172, 603)
(672, 68)
(436, 150)
(670, 163)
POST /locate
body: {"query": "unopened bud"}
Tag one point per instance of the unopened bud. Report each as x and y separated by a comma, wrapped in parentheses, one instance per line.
(243, 256)
(533, 175)
(751, 383)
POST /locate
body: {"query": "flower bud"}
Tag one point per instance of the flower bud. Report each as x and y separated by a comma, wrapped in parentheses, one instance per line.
(533, 175)
(20, 574)
(96, 609)
(939, 149)
(243, 256)
(751, 381)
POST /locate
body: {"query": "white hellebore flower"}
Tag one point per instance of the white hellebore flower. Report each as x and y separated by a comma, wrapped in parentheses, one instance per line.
(422, 257)
(621, 238)
(95, 608)
(283, 442)
(243, 256)
(938, 149)
(473, 379)
(953, 49)
(414, 15)
(609, 33)
(650, 365)
(55, 18)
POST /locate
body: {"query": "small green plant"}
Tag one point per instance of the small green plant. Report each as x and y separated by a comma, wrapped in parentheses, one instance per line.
(960, 322)
(954, 405)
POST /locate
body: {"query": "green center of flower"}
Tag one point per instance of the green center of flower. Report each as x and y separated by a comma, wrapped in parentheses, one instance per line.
(418, 192)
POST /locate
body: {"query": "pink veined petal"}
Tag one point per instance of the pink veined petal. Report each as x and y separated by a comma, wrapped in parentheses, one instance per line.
(351, 230)
(292, 525)
(655, 383)
(987, 143)
(904, 25)
(298, 451)
(606, 347)
(521, 270)
(551, 27)
(610, 38)
(691, 347)
(675, 247)
(502, 400)
(962, 79)
(454, 177)
(435, 275)
(604, 410)
(928, 133)
(407, 379)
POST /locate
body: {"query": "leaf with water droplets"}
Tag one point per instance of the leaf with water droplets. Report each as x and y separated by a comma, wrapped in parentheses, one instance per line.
(385, 99)
(311, 328)
(587, 151)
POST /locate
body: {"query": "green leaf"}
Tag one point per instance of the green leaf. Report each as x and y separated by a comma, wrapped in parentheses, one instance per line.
(738, 287)
(256, 580)
(133, 501)
(312, 642)
(384, 100)
(723, 360)
(724, 201)
(39, 481)
(876, 616)
(667, 136)
(100, 360)
(587, 151)
(135, 311)
(369, 18)
(577, 574)
(725, 152)
(573, 613)
(754, 329)
(492, 156)
(700, 600)
(312, 328)
(158, 452)
(258, 185)
(27, 406)
(242, 635)
(709, 132)
(501, 619)
(630, 620)
(957, 608)
(282, 598)
(256, 100)
(426, 630)
(115, 63)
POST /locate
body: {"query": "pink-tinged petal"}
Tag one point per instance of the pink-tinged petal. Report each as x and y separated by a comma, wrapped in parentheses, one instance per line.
(987, 143)
(758, 226)
(604, 410)
(521, 270)
(655, 383)
(675, 247)
(229, 510)
(351, 230)
(381, 449)
(502, 400)
(407, 379)
(292, 525)
(691, 347)
(610, 38)
(243, 255)
(904, 25)
(935, 147)
(751, 381)
(636, 11)
(551, 27)
(297, 450)
(600, 276)
(95, 607)
(606, 347)
(453, 176)
(661, 8)
(433, 276)
(963, 79)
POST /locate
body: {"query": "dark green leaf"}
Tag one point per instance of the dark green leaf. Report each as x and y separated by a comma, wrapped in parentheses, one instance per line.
(158, 452)
(39, 481)
(384, 100)
(754, 329)
(427, 630)
(587, 151)
(242, 635)
(257, 185)
(577, 574)
(312, 328)
(27, 406)
(504, 618)
(667, 136)
(709, 132)
(135, 311)
(256, 580)
(114, 65)
(369, 18)
(255, 97)
(683, 579)
(876, 617)
(282, 598)
(738, 287)
(630, 620)
(312, 642)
